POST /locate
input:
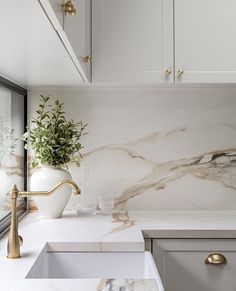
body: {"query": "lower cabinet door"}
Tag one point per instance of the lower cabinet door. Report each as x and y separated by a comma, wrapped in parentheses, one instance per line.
(182, 264)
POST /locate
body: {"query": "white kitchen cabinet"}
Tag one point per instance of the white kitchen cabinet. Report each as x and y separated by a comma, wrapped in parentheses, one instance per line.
(58, 16)
(132, 41)
(31, 53)
(205, 42)
(181, 263)
(164, 41)
(77, 29)
(74, 31)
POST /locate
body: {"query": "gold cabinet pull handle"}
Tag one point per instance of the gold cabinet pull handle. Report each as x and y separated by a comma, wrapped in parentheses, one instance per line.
(87, 59)
(216, 259)
(180, 72)
(168, 72)
(69, 8)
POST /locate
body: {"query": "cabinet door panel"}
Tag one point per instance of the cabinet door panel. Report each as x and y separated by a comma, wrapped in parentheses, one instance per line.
(181, 263)
(132, 40)
(205, 42)
(31, 53)
(188, 271)
(73, 31)
(57, 16)
(77, 30)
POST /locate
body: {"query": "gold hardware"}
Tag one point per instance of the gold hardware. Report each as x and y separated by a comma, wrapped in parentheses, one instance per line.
(69, 8)
(168, 72)
(87, 59)
(13, 245)
(216, 259)
(180, 72)
(14, 240)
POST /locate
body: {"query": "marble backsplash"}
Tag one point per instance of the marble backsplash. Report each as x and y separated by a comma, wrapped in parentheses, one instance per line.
(155, 148)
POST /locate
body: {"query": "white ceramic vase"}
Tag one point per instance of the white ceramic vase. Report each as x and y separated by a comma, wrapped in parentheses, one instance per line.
(45, 178)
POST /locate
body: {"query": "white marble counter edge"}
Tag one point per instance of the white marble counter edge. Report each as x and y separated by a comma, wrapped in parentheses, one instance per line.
(186, 224)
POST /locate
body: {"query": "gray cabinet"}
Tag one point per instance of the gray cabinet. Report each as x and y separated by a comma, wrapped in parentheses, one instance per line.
(148, 244)
(182, 266)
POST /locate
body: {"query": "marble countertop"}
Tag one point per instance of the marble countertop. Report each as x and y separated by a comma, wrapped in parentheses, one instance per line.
(83, 233)
(122, 232)
(186, 224)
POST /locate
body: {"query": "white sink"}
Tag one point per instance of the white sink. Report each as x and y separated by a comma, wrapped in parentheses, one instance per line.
(93, 265)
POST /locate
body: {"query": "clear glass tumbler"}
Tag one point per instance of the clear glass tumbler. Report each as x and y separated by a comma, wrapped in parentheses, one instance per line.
(106, 204)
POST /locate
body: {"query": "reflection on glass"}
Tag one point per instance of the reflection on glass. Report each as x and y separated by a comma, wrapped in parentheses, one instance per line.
(11, 147)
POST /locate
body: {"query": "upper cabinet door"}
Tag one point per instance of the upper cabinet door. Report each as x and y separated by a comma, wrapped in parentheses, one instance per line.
(77, 29)
(132, 41)
(73, 30)
(205, 42)
(57, 17)
(31, 53)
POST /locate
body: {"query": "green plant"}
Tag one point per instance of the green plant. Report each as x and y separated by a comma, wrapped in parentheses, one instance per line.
(54, 141)
(7, 142)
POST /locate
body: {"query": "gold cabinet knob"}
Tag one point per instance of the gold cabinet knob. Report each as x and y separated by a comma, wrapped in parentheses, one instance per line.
(180, 72)
(216, 259)
(87, 59)
(69, 8)
(168, 72)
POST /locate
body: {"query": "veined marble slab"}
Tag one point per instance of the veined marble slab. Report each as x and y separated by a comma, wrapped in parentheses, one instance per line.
(79, 284)
(83, 233)
(127, 285)
(155, 149)
(186, 224)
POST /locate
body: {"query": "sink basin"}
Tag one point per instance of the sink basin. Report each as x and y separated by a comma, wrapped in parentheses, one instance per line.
(94, 265)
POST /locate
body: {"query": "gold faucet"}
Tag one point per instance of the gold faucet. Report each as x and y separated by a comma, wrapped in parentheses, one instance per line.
(14, 240)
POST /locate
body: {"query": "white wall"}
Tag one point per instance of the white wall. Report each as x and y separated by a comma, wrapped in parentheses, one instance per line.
(155, 148)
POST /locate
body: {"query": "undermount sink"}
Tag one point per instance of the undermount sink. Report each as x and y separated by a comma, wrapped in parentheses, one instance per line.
(93, 265)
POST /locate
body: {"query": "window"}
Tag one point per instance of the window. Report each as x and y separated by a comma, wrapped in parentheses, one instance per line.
(13, 101)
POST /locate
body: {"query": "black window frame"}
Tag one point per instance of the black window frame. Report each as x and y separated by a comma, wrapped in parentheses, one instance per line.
(22, 208)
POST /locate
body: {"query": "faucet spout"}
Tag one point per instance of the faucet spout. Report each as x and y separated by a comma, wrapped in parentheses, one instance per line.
(14, 240)
(72, 184)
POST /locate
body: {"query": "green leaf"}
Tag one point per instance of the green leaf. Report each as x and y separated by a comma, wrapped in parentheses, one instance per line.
(53, 139)
(34, 164)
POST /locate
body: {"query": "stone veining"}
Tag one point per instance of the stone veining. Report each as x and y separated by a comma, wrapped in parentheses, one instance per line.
(127, 285)
(219, 166)
(121, 217)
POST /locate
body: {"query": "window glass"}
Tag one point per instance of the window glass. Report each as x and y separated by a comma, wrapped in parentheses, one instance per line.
(11, 146)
